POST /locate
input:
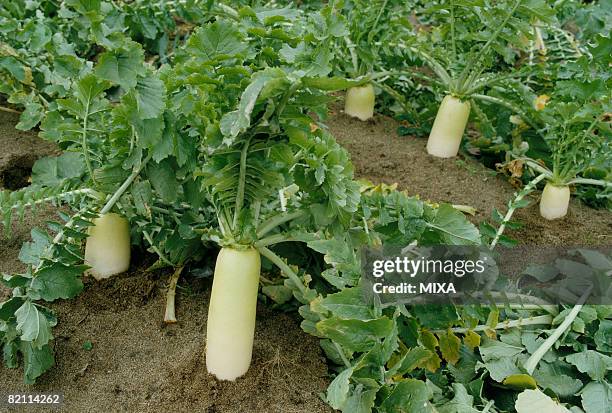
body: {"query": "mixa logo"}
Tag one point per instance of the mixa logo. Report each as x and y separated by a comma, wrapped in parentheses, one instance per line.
(437, 288)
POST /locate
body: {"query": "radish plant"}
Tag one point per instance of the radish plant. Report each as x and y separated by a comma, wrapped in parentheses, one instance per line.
(460, 65)
(132, 135)
(46, 45)
(368, 52)
(366, 23)
(376, 349)
(577, 130)
(270, 172)
(122, 161)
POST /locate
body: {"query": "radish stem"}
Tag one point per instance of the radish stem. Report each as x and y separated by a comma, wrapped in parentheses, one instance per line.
(156, 250)
(271, 240)
(586, 181)
(9, 110)
(170, 316)
(538, 320)
(533, 361)
(513, 207)
(124, 186)
(57, 239)
(62, 196)
(342, 355)
(276, 260)
(277, 220)
(85, 145)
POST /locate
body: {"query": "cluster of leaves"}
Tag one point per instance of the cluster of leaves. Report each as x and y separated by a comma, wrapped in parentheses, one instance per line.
(39, 57)
(585, 19)
(110, 124)
(45, 45)
(209, 148)
(55, 267)
(573, 122)
(54, 260)
(465, 48)
(434, 358)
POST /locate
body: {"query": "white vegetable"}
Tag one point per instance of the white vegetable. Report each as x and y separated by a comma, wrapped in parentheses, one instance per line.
(359, 102)
(531, 401)
(231, 313)
(448, 128)
(554, 201)
(107, 250)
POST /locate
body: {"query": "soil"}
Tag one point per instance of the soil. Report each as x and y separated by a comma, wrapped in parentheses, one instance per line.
(18, 152)
(380, 155)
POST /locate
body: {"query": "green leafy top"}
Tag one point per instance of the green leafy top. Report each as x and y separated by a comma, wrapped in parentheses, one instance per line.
(473, 37)
(576, 128)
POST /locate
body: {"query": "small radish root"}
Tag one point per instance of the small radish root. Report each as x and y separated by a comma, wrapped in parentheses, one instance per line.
(277, 368)
(359, 102)
(170, 316)
(274, 365)
(554, 202)
(107, 249)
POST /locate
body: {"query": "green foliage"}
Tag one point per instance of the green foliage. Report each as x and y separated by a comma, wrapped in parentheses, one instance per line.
(54, 272)
(208, 137)
(572, 119)
(381, 350)
(137, 143)
(474, 37)
(576, 130)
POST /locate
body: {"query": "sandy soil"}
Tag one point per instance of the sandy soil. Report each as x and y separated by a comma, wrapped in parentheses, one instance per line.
(380, 155)
(18, 152)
